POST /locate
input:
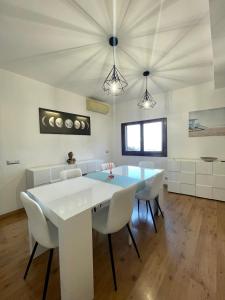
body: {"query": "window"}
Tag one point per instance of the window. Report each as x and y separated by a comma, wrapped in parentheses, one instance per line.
(145, 138)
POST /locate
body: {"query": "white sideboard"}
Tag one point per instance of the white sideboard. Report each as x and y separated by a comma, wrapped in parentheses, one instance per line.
(197, 178)
(36, 176)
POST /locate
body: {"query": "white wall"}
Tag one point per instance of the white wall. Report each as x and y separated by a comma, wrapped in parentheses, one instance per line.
(20, 139)
(125, 111)
(175, 106)
(182, 101)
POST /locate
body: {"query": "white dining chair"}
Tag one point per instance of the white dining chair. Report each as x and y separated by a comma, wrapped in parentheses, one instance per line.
(106, 166)
(150, 193)
(72, 173)
(149, 165)
(44, 233)
(112, 218)
(146, 164)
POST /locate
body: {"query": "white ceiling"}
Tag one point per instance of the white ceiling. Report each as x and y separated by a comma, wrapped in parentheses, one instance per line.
(65, 43)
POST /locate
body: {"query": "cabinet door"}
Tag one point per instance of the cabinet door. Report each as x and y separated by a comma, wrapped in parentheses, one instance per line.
(187, 166)
(219, 168)
(174, 176)
(204, 167)
(187, 189)
(42, 177)
(173, 187)
(219, 194)
(204, 179)
(173, 165)
(188, 178)
(219, 181)
(204, 191)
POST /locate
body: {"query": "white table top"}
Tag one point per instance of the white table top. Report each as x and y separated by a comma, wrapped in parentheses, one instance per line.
(62, 200)
(65, 199)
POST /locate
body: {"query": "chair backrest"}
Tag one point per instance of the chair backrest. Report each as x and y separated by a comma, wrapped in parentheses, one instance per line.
(72, 173)
(155, 185)
(106, 166)
(120, 209)
(37, 221)
(146, 164)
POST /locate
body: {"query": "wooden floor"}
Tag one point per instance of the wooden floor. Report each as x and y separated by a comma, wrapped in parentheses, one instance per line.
(185, 260)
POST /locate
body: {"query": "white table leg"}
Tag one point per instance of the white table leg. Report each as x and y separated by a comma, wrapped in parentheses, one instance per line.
(76, 257)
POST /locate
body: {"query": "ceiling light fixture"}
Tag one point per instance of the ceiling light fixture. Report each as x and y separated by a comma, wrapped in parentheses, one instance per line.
(114, 83)
(147, 101)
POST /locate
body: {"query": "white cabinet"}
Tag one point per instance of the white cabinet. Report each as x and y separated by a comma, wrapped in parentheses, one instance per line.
(219, 168)
(203, 167)
(219, 194)
(187, 189)
(204, 191)
(174, 187)
(204, 180)
(187, 166)
(188, 178)
(219, 181)
(48, 174)
(173, 165)
(197, 178)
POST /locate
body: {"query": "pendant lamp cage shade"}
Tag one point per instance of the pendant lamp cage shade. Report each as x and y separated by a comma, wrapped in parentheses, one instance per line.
(115, 83)
(147, 101)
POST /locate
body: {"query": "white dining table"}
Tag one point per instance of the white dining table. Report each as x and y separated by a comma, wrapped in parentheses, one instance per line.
(68, 205)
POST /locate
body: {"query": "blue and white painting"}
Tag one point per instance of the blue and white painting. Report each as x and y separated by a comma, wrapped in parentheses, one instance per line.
(210, 122)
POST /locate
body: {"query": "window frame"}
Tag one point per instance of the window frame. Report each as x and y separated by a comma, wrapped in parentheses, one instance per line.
(162, 153)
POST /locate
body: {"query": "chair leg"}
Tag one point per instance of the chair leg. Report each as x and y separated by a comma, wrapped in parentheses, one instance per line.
(138, 205)
(157, 203)
(112, 261)
(47, 274)
(30, 260)
(147, 207)
(133, 240)
(153, 219)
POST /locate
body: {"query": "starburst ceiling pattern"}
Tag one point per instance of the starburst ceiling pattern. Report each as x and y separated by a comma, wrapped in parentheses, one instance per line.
(65, 43)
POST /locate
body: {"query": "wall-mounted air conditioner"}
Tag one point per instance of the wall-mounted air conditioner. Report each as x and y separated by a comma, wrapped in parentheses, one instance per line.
(97, 106)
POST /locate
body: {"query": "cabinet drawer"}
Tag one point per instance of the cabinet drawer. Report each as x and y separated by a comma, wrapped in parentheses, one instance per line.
(204, 167)
(187, 189)
(187, 178)
(42, 177)
(219, 168)
(173, 165)
(219, 194)
(219, 181)
(187, 166)
(174, 176)
(204, 191)
(173, 187)
(204, 180)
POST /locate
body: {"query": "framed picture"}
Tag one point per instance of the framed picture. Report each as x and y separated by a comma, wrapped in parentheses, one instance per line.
(210, 122)
(58, 122)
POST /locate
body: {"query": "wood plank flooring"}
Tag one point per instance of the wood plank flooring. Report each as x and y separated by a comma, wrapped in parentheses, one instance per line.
(184, 260)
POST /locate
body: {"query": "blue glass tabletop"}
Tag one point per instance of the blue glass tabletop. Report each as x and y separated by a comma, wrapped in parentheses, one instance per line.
(123, 181)
(126, 176)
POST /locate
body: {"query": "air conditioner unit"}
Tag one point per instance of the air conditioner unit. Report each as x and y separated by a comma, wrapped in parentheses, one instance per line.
(97, 106)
